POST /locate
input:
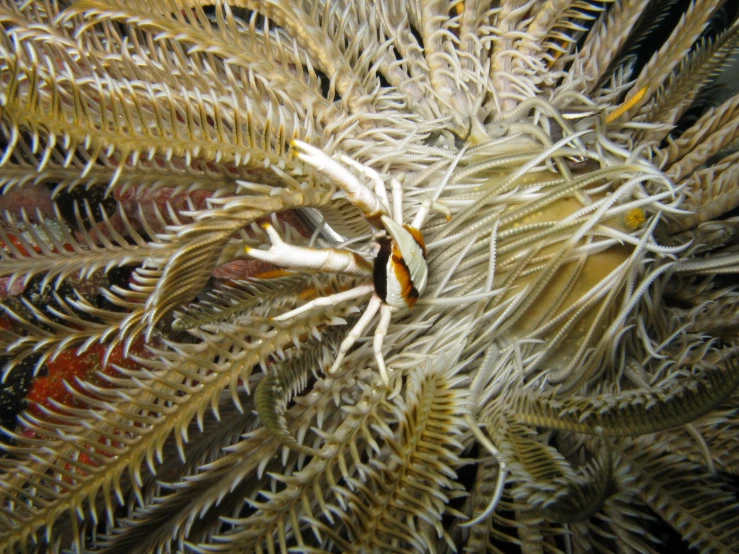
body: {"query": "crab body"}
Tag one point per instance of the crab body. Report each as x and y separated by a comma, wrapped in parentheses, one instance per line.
(400, 271)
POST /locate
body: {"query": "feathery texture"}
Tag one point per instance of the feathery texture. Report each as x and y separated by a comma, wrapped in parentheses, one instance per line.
(566, 381)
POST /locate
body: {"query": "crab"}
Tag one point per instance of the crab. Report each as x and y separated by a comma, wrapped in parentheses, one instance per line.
(399, 273)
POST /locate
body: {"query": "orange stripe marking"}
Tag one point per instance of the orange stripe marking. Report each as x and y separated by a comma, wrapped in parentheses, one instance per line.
(417, 236)
(626, 106)
(407, 290)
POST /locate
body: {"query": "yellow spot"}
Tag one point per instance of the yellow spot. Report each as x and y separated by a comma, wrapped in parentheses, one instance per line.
(557, 54)
(634, 218)
(459, 8)
(626, 106)
(247, 249)
(275, 274)
(308, 294)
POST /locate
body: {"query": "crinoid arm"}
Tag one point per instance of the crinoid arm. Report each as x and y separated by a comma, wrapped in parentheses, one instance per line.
(572, 327)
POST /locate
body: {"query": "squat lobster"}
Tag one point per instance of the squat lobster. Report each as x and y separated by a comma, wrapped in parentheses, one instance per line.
(400, 271)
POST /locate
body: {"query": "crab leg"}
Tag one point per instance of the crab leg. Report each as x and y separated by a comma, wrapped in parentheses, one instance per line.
(372, 175)
(358, 194)
(332, 300)
(356, 332)
(332, 260)
(386, 312)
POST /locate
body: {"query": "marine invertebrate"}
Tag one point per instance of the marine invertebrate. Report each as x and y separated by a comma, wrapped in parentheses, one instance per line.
(581, 322)
(399, 270)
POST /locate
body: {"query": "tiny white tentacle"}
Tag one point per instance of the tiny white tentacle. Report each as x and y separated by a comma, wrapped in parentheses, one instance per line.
(424, 210)
(502, 473)
(448, 174)
(421, 214)
(397, 201)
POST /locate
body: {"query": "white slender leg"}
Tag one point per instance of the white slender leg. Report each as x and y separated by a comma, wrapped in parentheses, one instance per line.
(397, 201)
(386, 312)
(423, 212)
(356, 332)
(357, 193)
(332, 300)
(333, 260)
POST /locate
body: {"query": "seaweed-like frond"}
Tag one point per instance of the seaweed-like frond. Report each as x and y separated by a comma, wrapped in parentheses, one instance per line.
(710, 191)
(660, 66)
(609, 37)
(695, 72)
(699, 508)
(585, 496)
(282, 383)
(712, 132)
(406, 484)
(633, 413)
(51, 250)
(178, 486)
